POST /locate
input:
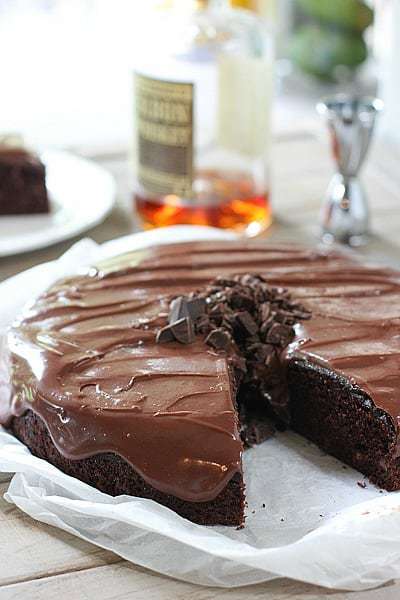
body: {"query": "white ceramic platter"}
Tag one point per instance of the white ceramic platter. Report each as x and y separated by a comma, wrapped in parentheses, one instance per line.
(81, 195)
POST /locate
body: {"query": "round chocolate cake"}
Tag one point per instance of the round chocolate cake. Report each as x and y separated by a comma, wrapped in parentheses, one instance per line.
(149, 374)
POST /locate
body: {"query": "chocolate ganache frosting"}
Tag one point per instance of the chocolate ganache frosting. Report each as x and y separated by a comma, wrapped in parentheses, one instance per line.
(85, 358)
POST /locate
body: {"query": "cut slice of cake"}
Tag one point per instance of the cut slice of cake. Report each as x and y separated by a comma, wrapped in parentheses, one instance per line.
(146, 375)
(22, 182)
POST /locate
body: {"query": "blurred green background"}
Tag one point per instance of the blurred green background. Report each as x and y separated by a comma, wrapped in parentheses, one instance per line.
(329, 38)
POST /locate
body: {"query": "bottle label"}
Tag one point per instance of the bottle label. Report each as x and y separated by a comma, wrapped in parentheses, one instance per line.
(164, 118)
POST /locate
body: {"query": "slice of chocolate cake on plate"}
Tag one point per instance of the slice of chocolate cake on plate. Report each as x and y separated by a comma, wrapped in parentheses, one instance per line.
(22, 180)
(149, 374)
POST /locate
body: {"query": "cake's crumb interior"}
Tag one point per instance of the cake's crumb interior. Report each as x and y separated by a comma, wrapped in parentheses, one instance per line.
(342, 420)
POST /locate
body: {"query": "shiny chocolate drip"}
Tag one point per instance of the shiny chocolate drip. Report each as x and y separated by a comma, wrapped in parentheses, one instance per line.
(86, 361)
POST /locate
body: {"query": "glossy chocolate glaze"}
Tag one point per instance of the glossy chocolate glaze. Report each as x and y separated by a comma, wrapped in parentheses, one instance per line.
(85, 359)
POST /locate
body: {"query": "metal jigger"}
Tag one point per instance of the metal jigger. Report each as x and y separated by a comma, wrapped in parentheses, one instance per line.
(351, 120)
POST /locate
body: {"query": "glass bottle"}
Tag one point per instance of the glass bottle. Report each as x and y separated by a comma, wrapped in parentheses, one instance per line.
(202, 104)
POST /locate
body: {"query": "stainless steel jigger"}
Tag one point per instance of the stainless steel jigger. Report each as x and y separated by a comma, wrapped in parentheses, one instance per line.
(351, 120)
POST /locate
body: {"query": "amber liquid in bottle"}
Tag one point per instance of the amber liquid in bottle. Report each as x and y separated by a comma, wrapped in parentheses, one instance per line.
(224, 200)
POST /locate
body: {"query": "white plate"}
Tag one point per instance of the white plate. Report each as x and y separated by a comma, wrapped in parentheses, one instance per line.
(81, 195)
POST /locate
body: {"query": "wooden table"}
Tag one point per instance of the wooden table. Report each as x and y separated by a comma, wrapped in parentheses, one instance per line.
(39, 561)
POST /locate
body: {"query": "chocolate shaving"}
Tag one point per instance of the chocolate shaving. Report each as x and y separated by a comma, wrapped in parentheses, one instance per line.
(265, 311)
(196, 308)
(181, 320)
(220, 339)
(279, 335)
(165, 335)
(183, 330)
(177, 309)
(246, 323)
(182, 307)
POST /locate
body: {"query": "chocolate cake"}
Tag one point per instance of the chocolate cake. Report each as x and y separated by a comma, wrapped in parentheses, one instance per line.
(150, 373)
(22, 182)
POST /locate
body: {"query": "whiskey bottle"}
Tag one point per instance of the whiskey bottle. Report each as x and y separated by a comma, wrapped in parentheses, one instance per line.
(202, 103)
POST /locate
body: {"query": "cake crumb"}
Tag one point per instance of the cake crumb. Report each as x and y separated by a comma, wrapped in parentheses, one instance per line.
(362, 484)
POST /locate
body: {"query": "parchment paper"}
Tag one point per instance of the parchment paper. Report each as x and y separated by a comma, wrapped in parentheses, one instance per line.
(308, 517)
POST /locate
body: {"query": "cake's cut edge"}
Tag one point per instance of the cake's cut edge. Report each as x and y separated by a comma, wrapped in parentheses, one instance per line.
(341, 419)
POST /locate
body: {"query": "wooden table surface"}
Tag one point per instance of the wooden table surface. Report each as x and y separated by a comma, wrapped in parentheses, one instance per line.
(39, 561)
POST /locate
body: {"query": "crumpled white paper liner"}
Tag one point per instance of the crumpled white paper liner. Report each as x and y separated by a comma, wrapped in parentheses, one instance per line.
(306, 518)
